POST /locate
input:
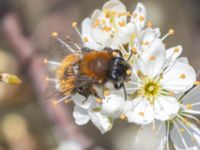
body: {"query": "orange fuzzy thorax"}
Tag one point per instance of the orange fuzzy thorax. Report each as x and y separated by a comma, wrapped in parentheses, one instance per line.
(95, 65)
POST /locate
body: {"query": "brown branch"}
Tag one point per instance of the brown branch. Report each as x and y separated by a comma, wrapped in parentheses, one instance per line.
(25, 52)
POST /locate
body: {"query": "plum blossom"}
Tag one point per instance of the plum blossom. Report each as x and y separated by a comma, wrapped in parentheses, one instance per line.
(182, 130)
(157, 76)
(113, 26)
(101, 111)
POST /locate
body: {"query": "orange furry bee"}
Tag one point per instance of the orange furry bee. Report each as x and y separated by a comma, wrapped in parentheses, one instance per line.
(80, 70)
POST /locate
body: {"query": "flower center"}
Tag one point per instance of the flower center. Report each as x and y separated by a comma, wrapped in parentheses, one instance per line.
(150, 89)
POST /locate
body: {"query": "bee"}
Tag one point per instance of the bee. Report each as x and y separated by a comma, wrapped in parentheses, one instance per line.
(81, 70)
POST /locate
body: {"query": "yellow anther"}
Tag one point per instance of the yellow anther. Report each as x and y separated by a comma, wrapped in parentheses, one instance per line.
(97, 22)
(115, 53)
(141, 114)
(182, 76)
(149, 24)
(54, 34)
(85, 39)
(129, 72)
(45, 61)
(152, 58)
(171, 93)
(99, 100)
(176, 50)
(106, 93)
(182, 130)
(171, 31)
(141, 18)
(134, 50)
(122, 117)
(74, 24)
(107, 28)
(197, 83)
(122, 23)
(189, 106)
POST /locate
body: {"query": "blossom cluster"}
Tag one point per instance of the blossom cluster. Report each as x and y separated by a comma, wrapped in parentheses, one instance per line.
(162, 92)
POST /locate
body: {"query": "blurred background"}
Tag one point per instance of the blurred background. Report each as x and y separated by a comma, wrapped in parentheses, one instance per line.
(27, 120)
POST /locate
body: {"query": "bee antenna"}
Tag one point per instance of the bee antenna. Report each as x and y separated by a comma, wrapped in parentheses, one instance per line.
(125, 93)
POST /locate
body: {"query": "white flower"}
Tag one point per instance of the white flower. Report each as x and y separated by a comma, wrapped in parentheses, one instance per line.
(181, 129)
(157, 75)
(101, 112)
(110, 27)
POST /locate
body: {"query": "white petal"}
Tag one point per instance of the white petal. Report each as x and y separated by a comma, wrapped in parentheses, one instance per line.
(179, 78)
(132, 85)
(193, 98)
(182, 137)
(173, 53)
(113, 105)
(147, 36)
(183, 60)
(101, 37)
(196, 134)
(80, 115)
(114, 5)
(102, 122)
(86, 33)
(152, 59)
(165, 108)
(141, 12)
(95, 15)
(157, 137)
(123, 36)
(139, 111)
(81, 101)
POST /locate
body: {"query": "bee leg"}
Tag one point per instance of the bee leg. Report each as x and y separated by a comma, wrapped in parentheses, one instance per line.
(125, 94)
(121, 85)
(86, 98)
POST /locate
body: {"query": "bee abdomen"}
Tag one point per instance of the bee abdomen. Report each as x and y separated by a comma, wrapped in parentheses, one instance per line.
(66, 75)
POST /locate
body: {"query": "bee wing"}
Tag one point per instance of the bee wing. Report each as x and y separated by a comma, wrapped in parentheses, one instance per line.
(59, 47)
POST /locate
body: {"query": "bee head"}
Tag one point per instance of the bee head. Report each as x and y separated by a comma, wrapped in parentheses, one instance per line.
(119, 71)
